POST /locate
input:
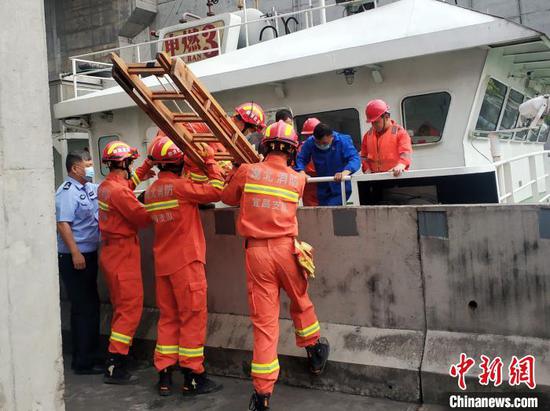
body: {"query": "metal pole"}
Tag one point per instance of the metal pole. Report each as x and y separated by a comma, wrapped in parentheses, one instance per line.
(323, 11)
(245, 23)
(75, 85)
(343, 188)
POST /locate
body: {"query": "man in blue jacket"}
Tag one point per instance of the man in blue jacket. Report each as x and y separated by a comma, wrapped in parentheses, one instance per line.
(333, 155)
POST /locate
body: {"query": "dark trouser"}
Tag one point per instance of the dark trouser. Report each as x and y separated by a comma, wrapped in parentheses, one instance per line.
(81, 287)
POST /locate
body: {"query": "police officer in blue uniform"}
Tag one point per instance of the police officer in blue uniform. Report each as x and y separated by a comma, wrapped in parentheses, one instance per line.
(77, 242)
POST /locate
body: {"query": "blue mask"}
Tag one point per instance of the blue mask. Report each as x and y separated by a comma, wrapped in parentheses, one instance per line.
(89, 173)
(323, 147)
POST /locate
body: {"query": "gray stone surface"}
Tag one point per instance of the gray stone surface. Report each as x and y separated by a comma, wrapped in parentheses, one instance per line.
(491, 275)
(31, 375)
(88, 393)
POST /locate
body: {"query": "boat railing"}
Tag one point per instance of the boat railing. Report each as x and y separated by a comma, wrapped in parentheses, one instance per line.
(538, 182)
(95, 67)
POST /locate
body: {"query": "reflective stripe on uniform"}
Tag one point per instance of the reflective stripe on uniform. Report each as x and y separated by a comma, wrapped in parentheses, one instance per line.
(306, 332)
(135, 179)
(272, 191)
(268, 368)
(103, 206)
(198, 177)
(191, 352)
(216, 183)
(125, 339)
(166, 349)
(162, 205)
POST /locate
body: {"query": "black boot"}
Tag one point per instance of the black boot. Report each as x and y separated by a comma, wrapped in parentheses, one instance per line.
(195, 384)
(259, 402)
(317, 355)
(165, 382)
(116, 372)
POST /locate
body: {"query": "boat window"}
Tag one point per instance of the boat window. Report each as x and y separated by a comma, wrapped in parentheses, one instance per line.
(491, 106)
(101, 143)
(544, 130)
(424, 116)
(511, 111)
(344, 121)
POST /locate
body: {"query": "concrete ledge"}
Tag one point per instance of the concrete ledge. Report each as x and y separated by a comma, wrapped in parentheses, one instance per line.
(364, 360)
(444, 348)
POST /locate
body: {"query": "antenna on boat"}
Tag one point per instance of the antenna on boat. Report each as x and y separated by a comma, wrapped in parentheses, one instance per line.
(209, 4)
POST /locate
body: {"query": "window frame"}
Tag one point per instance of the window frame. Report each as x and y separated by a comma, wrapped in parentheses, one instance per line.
(512, 138)
(410, 95)
(502, 109)
(318, 112)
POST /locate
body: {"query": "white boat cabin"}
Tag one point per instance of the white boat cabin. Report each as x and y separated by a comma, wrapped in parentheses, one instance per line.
(453, 77)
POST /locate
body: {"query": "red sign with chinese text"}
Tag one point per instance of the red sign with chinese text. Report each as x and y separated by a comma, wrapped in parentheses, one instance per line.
(198, 43)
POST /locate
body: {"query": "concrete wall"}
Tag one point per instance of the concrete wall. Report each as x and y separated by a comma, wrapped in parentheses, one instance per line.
(400, 293)
(31, 366)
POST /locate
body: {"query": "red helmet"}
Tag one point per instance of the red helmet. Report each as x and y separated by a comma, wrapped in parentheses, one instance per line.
(309, 126)
(280, 132)
(118, 151)
(252, 113)
(375, 109)
(164, 151)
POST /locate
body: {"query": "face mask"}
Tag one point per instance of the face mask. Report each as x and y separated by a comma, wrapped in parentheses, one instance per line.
(323, 147)
(89, 173)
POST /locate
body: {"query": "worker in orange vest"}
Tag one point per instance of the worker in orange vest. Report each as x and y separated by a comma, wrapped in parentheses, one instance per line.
(120, 216)
(310, 191)
(268, 194)
(387, 145)
(180, 254)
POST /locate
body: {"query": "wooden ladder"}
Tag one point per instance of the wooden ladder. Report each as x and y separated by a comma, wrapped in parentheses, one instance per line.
(181, 86)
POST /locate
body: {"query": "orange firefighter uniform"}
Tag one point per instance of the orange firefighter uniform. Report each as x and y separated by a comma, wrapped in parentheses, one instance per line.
(180, 255)
(120, 216)
(382, 152)
(193, 171)
(268, 194)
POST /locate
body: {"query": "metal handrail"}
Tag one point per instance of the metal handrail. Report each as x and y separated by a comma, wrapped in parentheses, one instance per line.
(261, 19)
(136, 47)
(505, 182)
(510, 160)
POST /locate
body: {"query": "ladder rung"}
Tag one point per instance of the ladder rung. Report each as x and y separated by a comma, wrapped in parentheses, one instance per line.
(222, 157)
(157, 71)
(167, 95)
(205, 140)
(187, 118)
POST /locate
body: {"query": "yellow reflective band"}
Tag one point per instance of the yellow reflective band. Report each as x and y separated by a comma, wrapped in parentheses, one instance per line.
(165, 147)
(135, 179)
(166, 349)
(288, 130)
(268, 131)
(312, 329)
(125, 339)
(162, 205)
(272, 191)
(191, 352)
(112, 148)
(103, 206)
(198, 177)
(265, 368)
(217, 183)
